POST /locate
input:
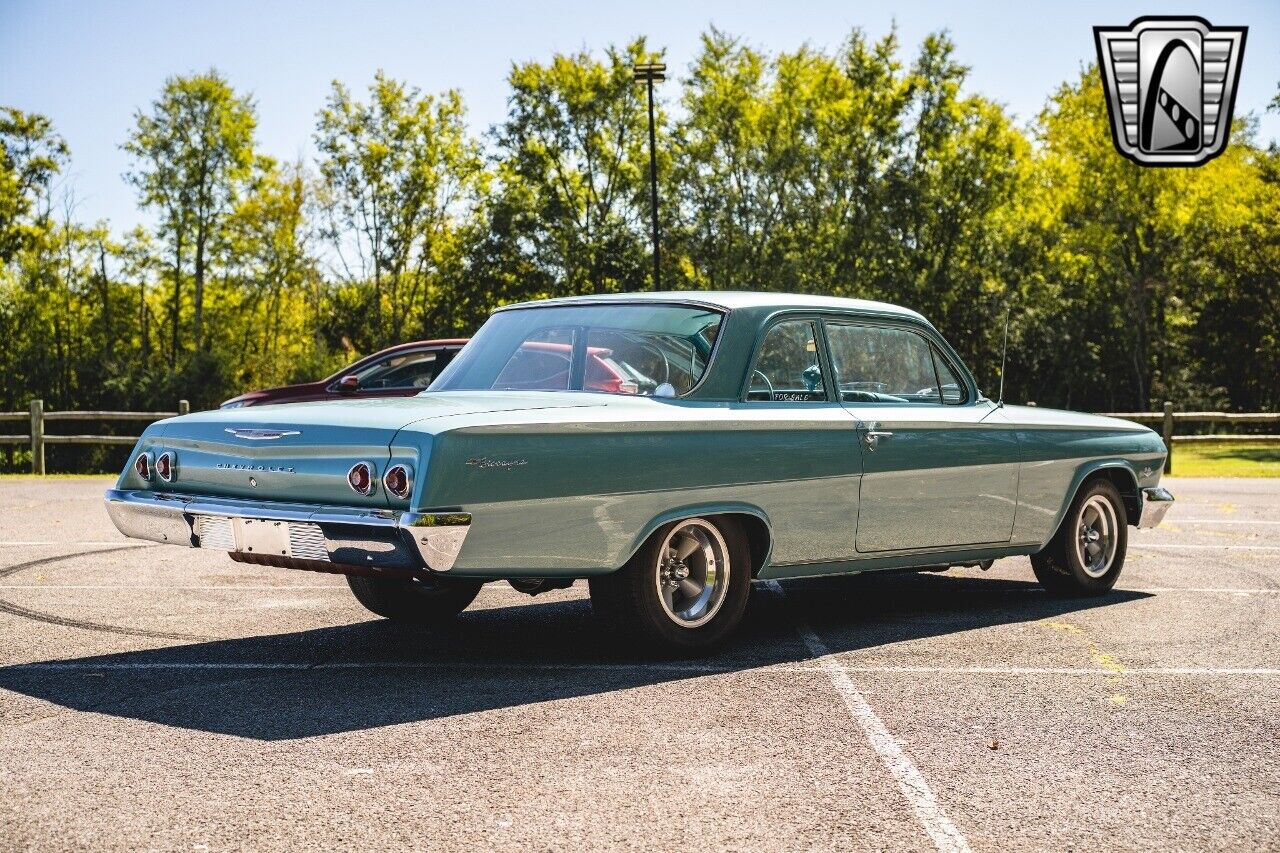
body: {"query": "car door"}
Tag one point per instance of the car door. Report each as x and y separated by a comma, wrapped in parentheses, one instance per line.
(801, 446)
(940, 468)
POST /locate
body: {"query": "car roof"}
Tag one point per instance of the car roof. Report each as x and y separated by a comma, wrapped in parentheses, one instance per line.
(732, 299)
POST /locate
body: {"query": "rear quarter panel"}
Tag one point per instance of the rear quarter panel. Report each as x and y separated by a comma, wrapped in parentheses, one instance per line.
(577, 496)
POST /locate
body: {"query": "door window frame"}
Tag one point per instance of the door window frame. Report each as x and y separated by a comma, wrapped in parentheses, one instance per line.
(824, 359)
(936, 350)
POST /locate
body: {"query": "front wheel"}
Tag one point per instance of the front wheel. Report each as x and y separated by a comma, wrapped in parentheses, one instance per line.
(1087, 553)
(420, 601)
(684, 591)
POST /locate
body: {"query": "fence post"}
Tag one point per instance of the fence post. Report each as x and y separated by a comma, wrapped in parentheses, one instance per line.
(184, 407)
(1166, 432)
(37, 436)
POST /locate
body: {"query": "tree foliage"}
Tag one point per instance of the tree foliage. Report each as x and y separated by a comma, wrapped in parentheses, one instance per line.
(400, 175)
(862, 171)
(193, 154)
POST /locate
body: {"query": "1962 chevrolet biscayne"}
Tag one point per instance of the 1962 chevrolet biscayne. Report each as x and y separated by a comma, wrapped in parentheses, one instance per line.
(752, 436)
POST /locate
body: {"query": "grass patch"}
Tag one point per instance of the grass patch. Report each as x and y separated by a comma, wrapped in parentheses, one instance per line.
(1226, 460)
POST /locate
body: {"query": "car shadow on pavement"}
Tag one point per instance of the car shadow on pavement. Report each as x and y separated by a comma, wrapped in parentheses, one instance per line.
(375, 673)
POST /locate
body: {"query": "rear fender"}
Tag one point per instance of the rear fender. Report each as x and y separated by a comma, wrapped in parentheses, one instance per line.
(761, 550)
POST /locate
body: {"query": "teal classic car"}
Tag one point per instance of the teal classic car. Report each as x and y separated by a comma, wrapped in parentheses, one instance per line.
(739, 436)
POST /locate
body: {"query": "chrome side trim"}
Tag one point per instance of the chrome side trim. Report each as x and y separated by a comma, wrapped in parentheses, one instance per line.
(343, 535)
(1156, 501)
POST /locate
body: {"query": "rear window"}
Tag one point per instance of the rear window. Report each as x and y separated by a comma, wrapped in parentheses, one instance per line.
(638, 348)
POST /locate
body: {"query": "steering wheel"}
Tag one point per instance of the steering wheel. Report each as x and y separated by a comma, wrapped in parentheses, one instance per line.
(666, 363)
(760, 373)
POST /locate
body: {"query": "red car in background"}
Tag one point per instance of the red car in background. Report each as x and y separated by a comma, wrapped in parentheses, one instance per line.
(398, 371)
(407, 369)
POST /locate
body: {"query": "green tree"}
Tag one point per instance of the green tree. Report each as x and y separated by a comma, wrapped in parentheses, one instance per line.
(193, 155)
(572, 169)
(268, 252)
(846, 174)
(31, 155)
(400, 177)
(1106, 233)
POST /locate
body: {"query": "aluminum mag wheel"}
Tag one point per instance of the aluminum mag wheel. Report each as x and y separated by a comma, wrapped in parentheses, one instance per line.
(692, 572)
(1086, 554)
(683, 591)
(1096, 538)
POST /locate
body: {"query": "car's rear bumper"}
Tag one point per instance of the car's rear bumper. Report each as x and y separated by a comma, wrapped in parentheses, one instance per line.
(281, 533)
(1156, 501)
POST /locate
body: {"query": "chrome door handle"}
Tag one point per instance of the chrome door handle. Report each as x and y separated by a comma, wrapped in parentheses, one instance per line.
(872, 435)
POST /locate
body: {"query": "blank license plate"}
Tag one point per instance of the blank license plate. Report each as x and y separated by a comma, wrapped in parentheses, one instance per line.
(256, 536)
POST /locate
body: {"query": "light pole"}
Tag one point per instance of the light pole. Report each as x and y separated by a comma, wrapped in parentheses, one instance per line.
(649, 72)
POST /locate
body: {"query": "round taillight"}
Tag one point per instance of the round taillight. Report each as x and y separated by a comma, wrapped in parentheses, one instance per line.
(398, 480)
(167, 466)
(360, 478)
(142, 465)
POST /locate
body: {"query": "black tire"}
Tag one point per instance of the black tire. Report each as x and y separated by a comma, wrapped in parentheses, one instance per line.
(429, 601)
(1066, 567)
(631, 600)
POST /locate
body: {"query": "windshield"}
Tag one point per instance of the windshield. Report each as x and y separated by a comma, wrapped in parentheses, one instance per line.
(638, 348)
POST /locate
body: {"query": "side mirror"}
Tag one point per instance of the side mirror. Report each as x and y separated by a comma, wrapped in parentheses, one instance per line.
(348, 385)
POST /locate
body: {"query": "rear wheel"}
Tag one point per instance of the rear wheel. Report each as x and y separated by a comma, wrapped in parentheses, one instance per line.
(1087, 553)
(684, 591)
(421, 601)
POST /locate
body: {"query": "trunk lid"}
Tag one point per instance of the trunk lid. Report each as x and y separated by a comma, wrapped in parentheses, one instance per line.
(302, 452)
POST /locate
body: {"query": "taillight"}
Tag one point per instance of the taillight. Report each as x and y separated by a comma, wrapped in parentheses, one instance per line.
(167, 466)
(360, 478)
(398, 480)
(142, 465)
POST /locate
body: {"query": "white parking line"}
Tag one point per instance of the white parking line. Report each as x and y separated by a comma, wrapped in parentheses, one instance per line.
(1224, 590)
(685, 668)
(930, 813)
(1062, 670)
(73, 543)
(1142, 546)
(503, 591)
(128, 666)
(1218, 521)
(236, 588)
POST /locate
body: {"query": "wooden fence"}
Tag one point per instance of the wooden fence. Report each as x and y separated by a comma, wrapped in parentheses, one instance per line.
(38, 438)
(38, 417)
(1168, 419)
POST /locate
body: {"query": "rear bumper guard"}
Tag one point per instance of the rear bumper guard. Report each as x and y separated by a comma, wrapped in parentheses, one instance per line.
(281, 533)
(1156, 501)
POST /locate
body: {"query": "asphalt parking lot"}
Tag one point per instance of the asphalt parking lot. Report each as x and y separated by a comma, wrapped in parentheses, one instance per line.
(158, 698)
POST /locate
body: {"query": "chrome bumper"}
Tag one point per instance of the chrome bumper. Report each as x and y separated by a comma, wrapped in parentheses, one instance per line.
(375, 539)
(1155, 503)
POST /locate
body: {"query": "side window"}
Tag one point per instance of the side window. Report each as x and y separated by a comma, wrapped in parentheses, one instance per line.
(880, 364)
(953, 391)
(787, 368)
(403, 370)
